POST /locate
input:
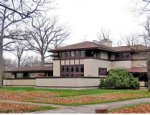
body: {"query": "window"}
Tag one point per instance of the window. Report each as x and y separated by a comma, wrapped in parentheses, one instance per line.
(19, 75)
(63, 55)
(72, 54)
(89, 54)
(77, 53)
(72, 70)
(82, 53)
(67, 54)
(23, 75)
(123, 56)
(102, 71)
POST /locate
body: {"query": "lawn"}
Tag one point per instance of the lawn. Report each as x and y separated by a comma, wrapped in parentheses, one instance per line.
(139, 108)
(69, 97)
(21, 108)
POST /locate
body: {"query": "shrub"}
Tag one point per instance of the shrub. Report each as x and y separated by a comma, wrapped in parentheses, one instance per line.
(119, 79)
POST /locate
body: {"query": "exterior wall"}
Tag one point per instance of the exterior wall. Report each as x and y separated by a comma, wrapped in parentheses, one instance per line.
(122, 64)
(19, 82)
(140, 63)
(56, 68)
(142, 83)
(67, 82)
(91, 67)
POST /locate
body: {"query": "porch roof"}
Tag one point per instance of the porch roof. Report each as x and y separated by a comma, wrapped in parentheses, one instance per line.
(30, 69)
(138, 70)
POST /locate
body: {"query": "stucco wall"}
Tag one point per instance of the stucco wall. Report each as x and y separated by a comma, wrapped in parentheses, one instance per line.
(140, 63)
(91, 67)
(121, 64)
(67, 82)
(56, 68)
(142, 83)
(19, 82)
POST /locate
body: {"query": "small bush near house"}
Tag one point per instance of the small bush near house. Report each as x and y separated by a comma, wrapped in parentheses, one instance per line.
(120, 79)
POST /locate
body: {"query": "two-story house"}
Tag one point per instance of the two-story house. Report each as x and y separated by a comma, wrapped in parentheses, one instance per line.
(84, 64)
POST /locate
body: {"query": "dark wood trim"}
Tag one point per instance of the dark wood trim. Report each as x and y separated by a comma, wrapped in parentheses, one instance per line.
(129, 60)
(83, 58)
(80, 49)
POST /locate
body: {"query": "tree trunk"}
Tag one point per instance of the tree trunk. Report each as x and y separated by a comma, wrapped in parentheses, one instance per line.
(1, 62)
(42, 60)
(19, 62)
(148, 70)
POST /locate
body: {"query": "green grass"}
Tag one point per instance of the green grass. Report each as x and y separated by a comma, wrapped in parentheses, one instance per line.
(42, 108)
(69, 92)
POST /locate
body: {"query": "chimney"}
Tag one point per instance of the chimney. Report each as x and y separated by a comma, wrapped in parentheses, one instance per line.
(105, 42)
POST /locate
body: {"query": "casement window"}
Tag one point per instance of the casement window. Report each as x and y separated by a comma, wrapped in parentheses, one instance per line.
(72, 54)
(72, 70)
(22, 75)
(123, 56)
(102, 71)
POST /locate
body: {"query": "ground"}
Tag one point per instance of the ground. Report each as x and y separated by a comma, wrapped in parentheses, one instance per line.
(50, 98)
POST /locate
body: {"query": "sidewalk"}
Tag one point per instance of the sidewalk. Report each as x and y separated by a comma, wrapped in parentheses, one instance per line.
(91, 108)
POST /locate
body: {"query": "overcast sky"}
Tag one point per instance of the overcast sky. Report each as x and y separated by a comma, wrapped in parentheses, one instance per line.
(86, 17)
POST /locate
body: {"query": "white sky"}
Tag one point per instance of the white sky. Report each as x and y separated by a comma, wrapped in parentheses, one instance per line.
(86, 17)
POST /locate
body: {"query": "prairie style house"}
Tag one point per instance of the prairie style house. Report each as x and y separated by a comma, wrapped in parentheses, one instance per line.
(83, 64)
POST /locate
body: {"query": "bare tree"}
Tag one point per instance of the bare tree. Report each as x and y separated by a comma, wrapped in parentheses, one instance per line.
(18, 50)
(11, 13)
(131, 40)
(31, 61)
(44, 34)
(9, 63)
(146, 37)
(103, 35)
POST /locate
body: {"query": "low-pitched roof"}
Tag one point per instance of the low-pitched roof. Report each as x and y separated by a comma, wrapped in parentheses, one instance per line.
(131, 48)
(31, 69)
(138, 70)
(84, 45)
(93, 45)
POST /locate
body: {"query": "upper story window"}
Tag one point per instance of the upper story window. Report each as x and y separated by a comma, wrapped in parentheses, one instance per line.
(123, 56)
(77, 53)
(72, 54)
(67, 54)
(89, 54)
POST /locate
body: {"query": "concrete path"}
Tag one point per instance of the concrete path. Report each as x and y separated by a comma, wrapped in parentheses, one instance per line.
(91, 108)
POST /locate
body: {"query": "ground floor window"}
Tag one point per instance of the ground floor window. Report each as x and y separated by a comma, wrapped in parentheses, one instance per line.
(72, 70)
(22, 75)
(102, 71)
